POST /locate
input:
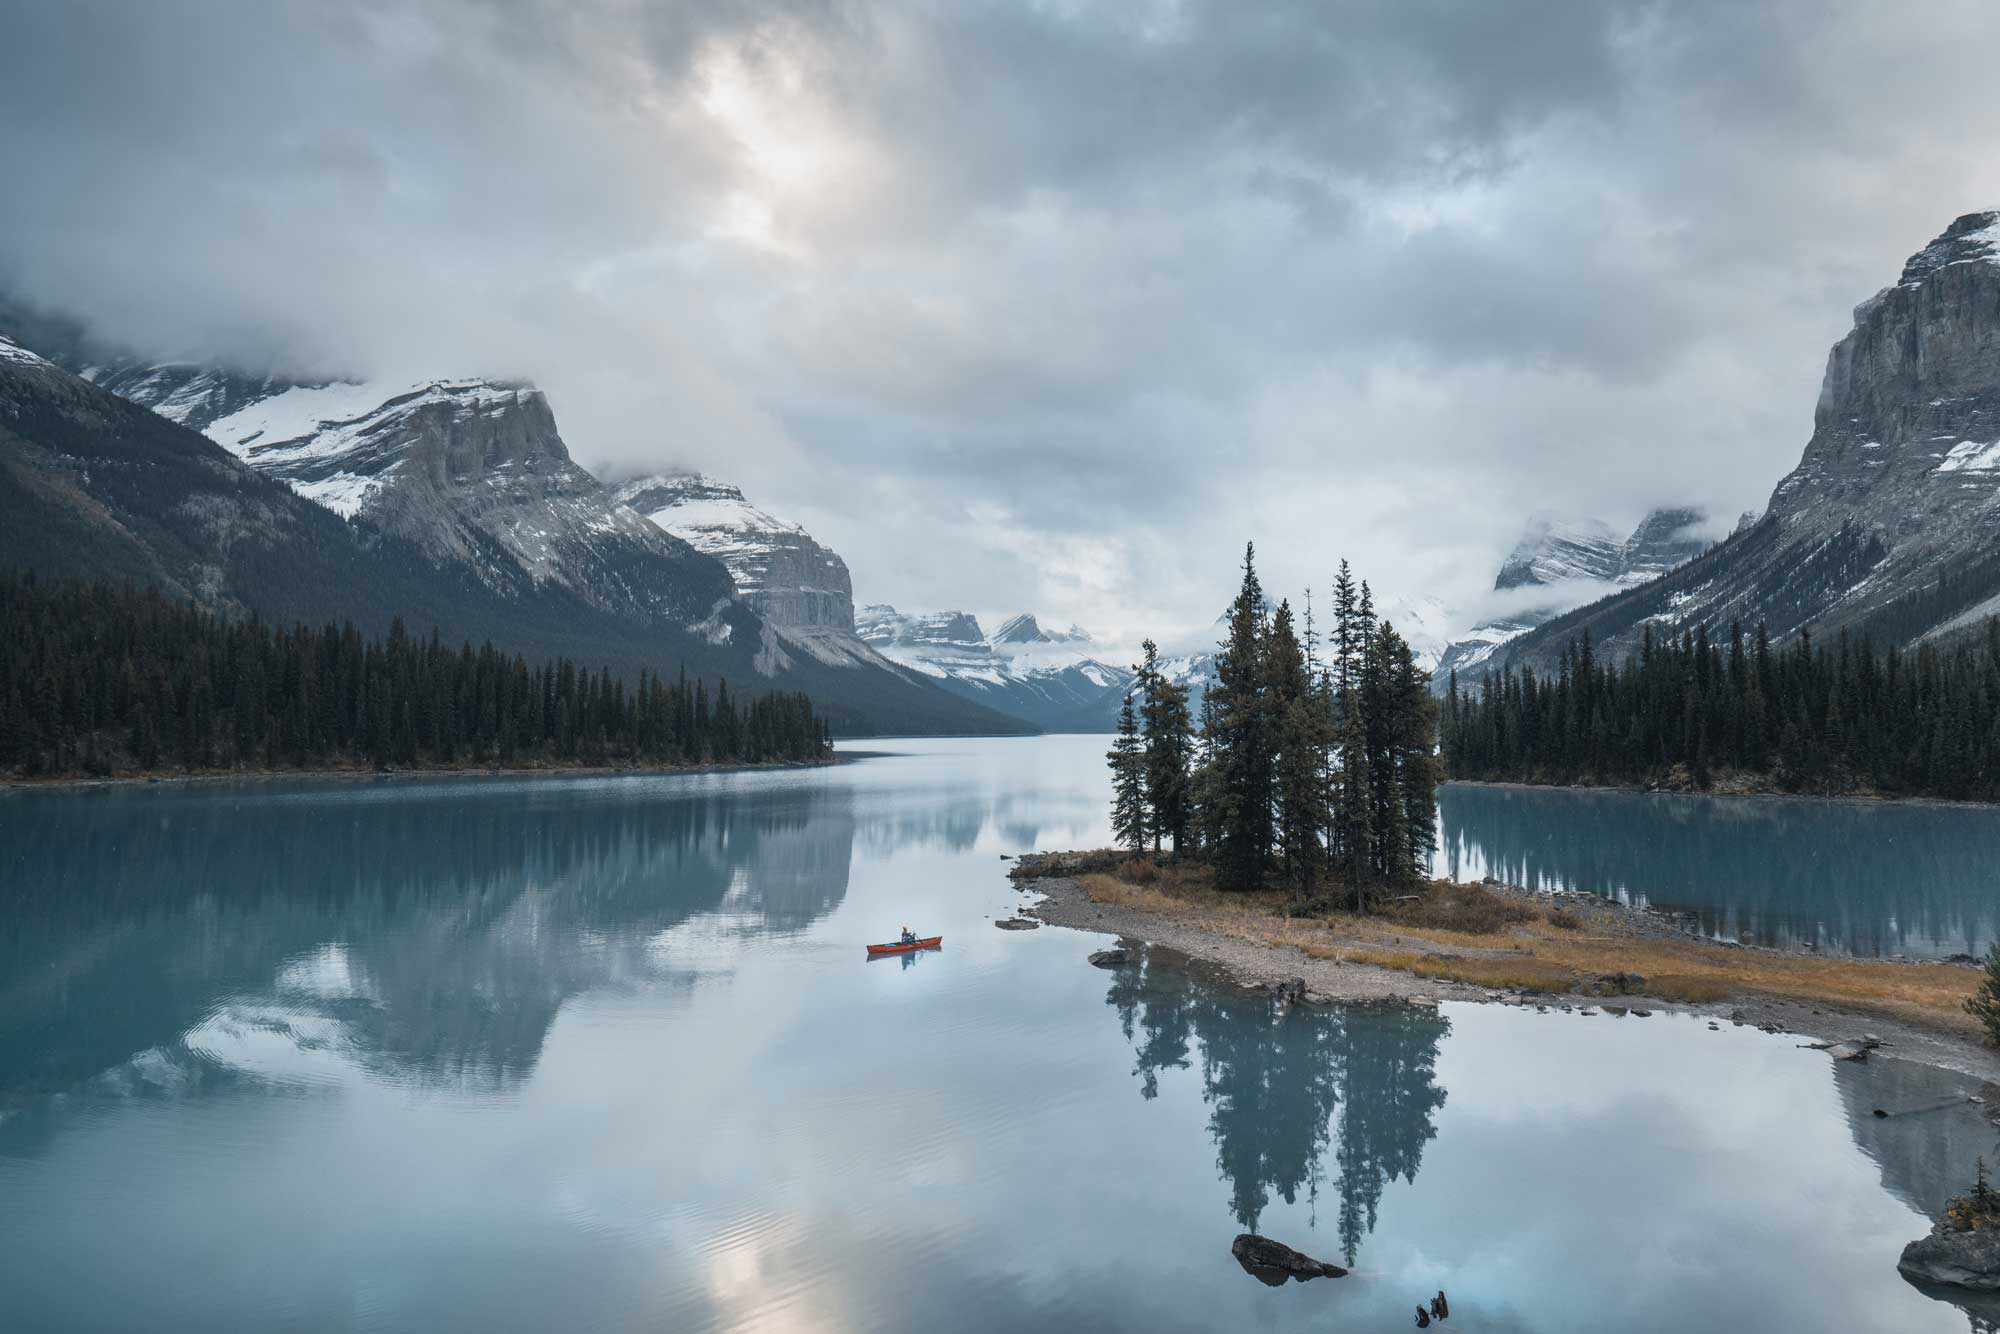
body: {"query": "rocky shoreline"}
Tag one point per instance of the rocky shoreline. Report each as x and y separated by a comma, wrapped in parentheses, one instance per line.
(1060, 900)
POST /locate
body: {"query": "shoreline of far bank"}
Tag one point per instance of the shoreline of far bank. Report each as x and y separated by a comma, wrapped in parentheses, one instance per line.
(1726, 794)
(1909, 1005)
(357, 773)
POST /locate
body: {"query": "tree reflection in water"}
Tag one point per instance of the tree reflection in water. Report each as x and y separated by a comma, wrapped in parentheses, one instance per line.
(1282, 1090)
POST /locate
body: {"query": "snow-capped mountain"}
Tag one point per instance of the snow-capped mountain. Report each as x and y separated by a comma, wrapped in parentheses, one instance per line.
(1554, 548)
(473, 472)
(1576, 560)
(497, 532)
(1047, 678)
(1887, 524)
(1665, 540)
(800, 587)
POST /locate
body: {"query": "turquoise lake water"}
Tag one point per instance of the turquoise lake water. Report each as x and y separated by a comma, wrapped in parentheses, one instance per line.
(1867, 878)
(604, 1053)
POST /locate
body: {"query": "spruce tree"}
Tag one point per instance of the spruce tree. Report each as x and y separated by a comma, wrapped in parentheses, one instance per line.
(1239, 741)
(1353, 821)
(1299, 755)
(1169, 728)
(1128, 783)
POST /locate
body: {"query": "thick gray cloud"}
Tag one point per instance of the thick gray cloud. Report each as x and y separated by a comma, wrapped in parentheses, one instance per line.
(1033, 305)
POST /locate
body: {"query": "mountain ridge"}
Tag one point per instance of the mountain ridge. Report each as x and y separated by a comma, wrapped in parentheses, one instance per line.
(1886, 523)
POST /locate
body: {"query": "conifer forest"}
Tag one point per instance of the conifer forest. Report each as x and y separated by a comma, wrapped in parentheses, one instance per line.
(98, 680)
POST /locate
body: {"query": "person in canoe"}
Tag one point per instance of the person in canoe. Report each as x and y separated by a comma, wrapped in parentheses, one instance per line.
(909, 937)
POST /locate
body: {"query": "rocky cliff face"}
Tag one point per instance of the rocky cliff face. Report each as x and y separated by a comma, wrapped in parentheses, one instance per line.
(1665, 540)
(793, 582)
(1887, 524)
(472, 472)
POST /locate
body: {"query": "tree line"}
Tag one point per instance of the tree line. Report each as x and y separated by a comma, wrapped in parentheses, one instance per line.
(1810, 717)
(97, 679)
(1311, 773)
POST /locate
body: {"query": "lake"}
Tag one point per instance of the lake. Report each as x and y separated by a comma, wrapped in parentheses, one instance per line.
(1868, 878)
(604, 1053)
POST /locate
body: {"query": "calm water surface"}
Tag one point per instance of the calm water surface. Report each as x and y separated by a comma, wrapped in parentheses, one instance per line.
(604, 1053)
(1851, 877)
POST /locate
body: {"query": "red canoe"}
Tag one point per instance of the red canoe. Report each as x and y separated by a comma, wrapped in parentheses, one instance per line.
(926, 943)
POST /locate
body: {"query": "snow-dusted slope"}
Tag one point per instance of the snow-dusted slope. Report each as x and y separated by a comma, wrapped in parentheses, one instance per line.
(1892, 493)
(802, 589)
(1554, 548)
(472, 471)
(1575, 561)
(1045, 678)
(793, 581)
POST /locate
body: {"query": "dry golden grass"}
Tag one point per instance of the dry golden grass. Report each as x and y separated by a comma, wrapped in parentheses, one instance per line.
(1691, 990)
(1466, 910)
(1522, 948)
(1521, 973)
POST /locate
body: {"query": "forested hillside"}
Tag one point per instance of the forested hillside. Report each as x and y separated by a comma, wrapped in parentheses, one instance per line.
(101, 680)
(1692, 711)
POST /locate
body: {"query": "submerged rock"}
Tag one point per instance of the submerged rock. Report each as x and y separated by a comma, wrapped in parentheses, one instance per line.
(1111, 958)
(1954, 1259)
(1017, 924)
(1273, 1262)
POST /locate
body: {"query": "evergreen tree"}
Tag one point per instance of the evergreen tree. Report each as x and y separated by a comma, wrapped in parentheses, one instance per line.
(1239, 742)
(103, 680)
(1354, 831)
(1169, 727)
(1129, 824)
(1300, 743)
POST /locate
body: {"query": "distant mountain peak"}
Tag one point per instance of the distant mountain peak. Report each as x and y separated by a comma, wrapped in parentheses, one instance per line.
(1971, 238)
(1556, 547)
(661, 490)
(1042, 676)
(1025, 629)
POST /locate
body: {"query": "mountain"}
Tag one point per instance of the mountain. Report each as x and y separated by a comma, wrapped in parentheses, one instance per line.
(1553, 548)
(1046, 678)
(1665, 540)
(451, 503)
(472, 472)
(1887, 524)
(95, 486)
(799, 587)
(1572, 558)
(1024, 629)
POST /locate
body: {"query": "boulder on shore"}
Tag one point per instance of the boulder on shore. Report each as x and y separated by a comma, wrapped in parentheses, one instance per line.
(1111, 958)
(1273, 1262)
(1954, 1259)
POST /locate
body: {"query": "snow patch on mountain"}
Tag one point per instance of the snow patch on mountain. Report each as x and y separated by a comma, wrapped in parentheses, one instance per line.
(1971, 456)
(1554, 548)
(20, 356)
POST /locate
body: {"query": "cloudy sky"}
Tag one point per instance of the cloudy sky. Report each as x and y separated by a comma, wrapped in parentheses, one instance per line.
(1044, 306)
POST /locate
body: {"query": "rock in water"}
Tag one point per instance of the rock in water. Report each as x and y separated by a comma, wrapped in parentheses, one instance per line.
(1273, 1262)
(1111, 958)
(1954, 1259)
